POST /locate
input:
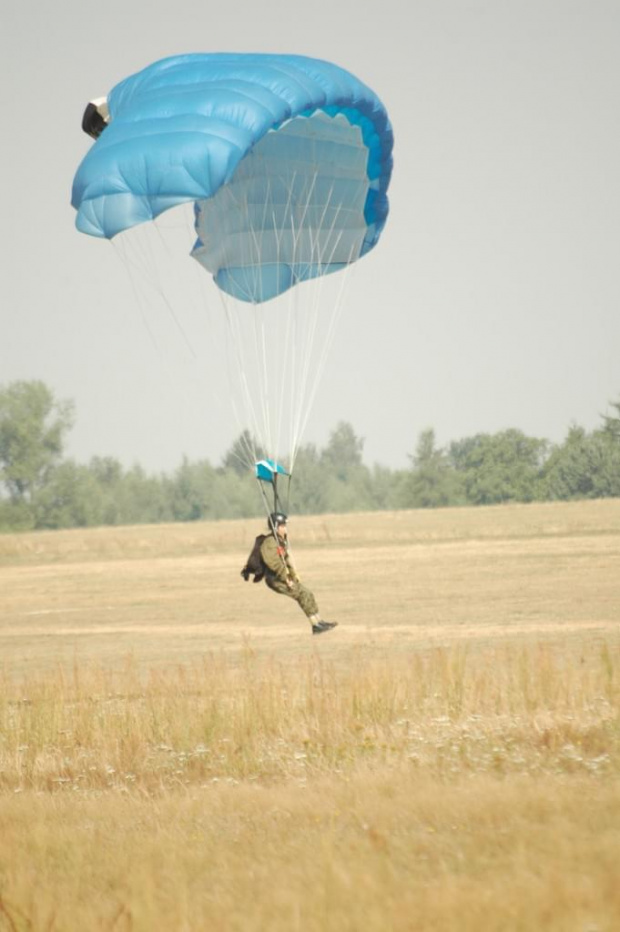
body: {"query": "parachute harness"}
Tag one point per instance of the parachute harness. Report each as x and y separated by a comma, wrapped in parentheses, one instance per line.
(268, 474)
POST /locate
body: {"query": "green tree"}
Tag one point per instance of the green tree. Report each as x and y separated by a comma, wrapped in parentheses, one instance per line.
(611, 424)
(143, 498)
(108, 475)
(191, 490)
(347, 482)
(69, 498)
(386, 487)
(233, 496)
(502, 467)
(15, 516)
(432, 482)
(308, 483)
(33, 424)
(584, 466)
(342, 457)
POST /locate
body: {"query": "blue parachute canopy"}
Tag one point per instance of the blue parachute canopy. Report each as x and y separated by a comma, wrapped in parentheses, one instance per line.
(286, 158)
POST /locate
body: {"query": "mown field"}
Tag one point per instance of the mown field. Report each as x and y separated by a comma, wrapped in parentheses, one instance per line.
(178, 753)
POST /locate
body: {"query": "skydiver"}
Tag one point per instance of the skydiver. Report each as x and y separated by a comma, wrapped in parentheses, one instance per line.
(271, 560)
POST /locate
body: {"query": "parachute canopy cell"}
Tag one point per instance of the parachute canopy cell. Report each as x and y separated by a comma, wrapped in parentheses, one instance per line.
(286, 158)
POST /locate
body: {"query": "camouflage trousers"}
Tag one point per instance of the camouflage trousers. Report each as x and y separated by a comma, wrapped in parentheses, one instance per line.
(302, 596)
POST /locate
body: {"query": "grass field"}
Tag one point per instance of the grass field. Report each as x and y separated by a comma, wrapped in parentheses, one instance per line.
(178, 753)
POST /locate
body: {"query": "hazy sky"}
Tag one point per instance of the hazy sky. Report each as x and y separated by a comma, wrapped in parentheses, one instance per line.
(493, 298)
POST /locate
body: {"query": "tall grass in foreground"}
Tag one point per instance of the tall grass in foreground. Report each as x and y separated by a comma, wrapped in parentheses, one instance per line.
(446, 791)
(447, 712)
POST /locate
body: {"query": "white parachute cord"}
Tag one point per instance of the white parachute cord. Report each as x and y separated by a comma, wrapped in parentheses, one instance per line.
(149, 264)
(322, 361)
(234, 313)
(242, 381)
(135, 255)
(309, 395)
(272, 343)
(280, 386)
(261, 351)
(304, 326)
(328, 343)
(285, 360)
(257, 397)
(260, 337)
(217, 306)
(313, 317)
(313, 321)
(236, 358)
(288, 369)
(139, 300)
(288, 385)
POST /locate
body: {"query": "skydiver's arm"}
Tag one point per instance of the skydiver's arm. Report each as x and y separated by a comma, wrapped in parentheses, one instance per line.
(292, 568)
(274, 561)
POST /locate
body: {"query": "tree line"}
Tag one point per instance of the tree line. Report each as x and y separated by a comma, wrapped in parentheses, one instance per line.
(42, 489)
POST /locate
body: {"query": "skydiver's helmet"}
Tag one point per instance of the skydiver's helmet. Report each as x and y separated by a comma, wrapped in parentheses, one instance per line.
(276, 518)
(96, 117)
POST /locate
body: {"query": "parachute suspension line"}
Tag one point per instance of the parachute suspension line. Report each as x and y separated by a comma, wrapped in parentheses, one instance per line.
(304, 327)
(255, 401)
(149, 264)
(256, 243)
(313, 324)
(288, 345)
(322, 362)
(280, 358)
(247, 399)
(121, 255)
(277, 503)
(137, 255)
(288, 361)
(259, 399)
(153, 280)
(293, 322)
(256, 414)
(260, 348)
(307, 341)
(261, 351)
(276, 356)
(227, 336)
(309, 395)
(267, 506)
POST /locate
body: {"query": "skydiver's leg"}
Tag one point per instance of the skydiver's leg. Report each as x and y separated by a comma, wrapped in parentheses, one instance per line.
(304, 598)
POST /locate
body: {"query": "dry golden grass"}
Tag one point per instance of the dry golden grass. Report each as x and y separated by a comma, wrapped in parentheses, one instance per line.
(177, 753)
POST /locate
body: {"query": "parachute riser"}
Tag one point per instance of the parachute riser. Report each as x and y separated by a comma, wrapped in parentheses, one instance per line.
(277, 503)
(274, 507)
